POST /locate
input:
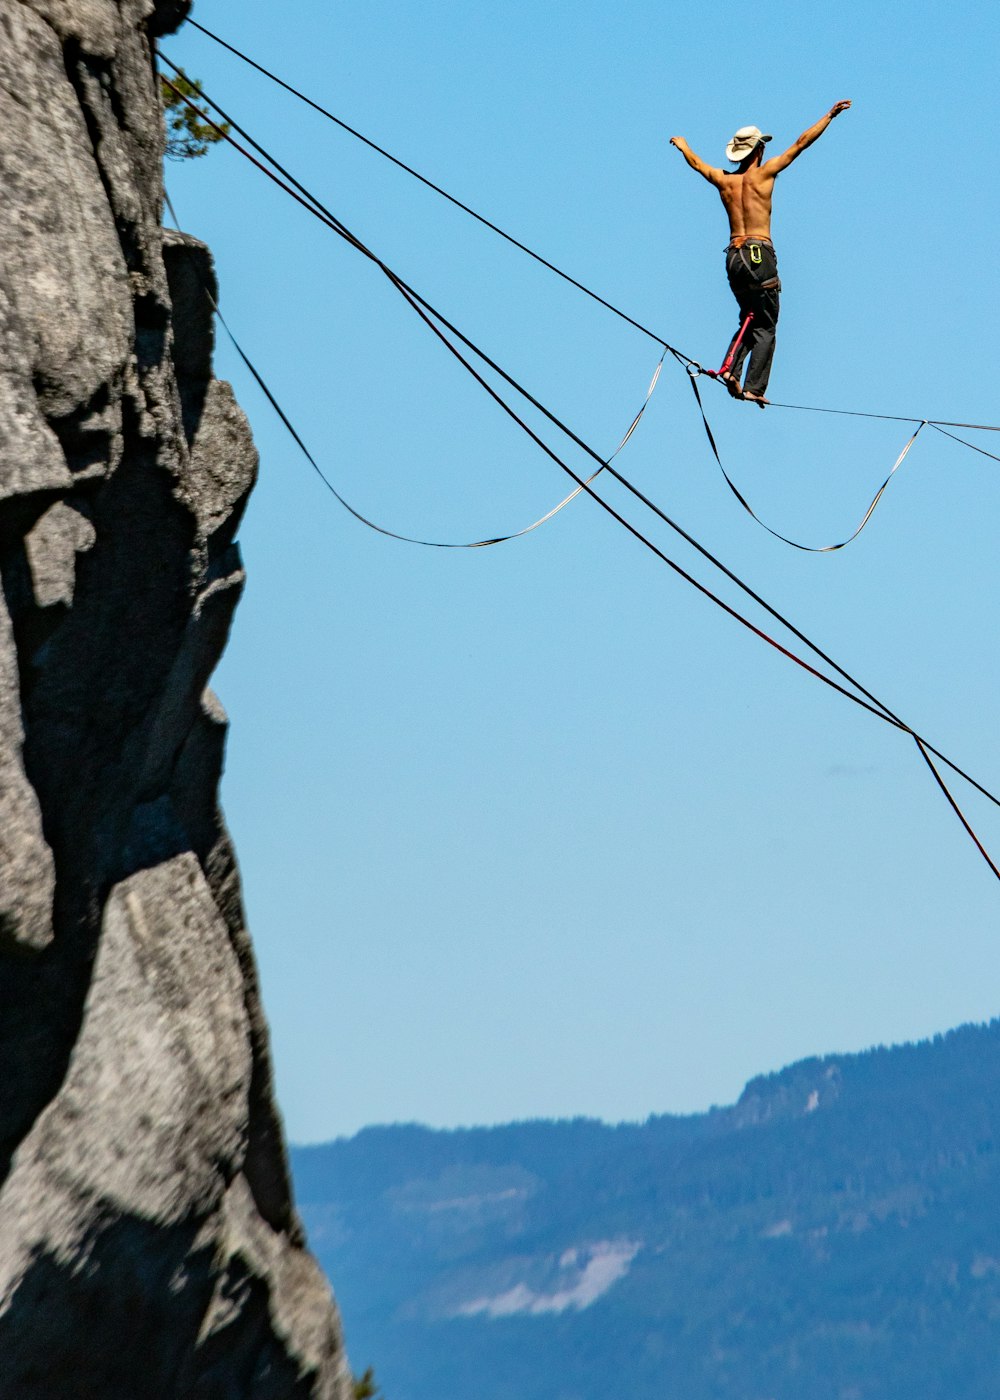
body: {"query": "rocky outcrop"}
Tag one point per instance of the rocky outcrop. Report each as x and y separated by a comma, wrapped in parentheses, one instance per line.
(149, 1246)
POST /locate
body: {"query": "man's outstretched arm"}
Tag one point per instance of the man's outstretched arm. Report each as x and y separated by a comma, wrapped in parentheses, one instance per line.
(696, 163)
(782, 162)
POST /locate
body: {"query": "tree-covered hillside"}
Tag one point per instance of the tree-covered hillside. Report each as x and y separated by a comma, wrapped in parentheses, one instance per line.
(832, 1236)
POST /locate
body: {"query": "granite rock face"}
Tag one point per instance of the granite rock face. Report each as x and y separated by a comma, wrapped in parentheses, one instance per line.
(149, 1246)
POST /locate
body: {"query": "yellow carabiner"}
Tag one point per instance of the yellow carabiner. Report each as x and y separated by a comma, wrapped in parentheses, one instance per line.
(755, 253)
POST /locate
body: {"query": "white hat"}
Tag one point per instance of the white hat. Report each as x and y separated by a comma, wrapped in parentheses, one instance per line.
(746, 140)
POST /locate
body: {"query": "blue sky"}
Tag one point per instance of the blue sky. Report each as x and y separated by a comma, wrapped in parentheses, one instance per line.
(536, 830)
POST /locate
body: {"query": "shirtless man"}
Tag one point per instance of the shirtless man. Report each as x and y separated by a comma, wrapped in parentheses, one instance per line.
(751, 265)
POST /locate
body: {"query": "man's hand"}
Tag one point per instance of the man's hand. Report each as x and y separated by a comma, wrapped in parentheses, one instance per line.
(777, 164)
(696, 162)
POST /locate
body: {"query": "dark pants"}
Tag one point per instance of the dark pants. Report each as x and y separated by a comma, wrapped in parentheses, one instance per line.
(750, 269)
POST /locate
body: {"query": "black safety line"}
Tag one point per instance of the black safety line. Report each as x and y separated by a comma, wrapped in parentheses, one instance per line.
(891, 418)
(974, 447)
(955, 807)
(417, 303)
(846, 412)
(459, 204)
(977, 427)
(795, 544)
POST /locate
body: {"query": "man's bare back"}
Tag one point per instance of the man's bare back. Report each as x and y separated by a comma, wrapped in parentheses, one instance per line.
(746, 192)
(747, 198)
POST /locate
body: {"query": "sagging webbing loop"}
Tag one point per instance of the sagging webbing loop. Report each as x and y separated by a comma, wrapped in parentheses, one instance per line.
(795, 544)
(363, 519)
(411, 539)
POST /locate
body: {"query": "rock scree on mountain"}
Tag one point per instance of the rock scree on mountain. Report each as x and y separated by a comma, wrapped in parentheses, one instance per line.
(149, 1246)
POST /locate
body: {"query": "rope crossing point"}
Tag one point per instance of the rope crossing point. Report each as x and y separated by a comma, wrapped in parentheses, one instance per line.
(436, 323)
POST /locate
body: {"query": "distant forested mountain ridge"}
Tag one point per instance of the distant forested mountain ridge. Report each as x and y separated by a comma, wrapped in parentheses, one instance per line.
(834, 1235)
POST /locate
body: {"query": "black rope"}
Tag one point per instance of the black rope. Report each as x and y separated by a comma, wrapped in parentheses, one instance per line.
(955, 807)
(973, 447)
(846, 412)
(426, 312)
(459, 204)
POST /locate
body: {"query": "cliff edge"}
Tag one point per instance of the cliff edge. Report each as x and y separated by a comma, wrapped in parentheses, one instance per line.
(149, 1246)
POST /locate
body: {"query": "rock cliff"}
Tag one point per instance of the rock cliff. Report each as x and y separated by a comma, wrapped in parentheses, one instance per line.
(149, 1246)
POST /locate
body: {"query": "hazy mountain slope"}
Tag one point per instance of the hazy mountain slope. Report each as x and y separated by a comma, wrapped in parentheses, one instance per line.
(832, 1236)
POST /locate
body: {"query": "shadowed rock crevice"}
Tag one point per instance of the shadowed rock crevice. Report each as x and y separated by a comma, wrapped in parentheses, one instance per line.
(149, 1245)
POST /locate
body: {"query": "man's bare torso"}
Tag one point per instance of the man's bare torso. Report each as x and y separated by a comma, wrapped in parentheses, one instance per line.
(747, 197)
(746, 193)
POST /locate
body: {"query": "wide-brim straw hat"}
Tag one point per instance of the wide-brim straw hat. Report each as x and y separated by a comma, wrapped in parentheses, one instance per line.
(744, 143)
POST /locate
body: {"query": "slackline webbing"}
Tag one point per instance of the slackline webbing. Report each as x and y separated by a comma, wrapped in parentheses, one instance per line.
(418, 305)
(364, 520)
(805, 548)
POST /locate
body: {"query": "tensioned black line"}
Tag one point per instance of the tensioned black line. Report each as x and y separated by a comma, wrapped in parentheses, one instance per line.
(971, 445)
(955, 807)
(846, 412)
(552, 267)
(977, 427)
(319, 211)
(467, 209)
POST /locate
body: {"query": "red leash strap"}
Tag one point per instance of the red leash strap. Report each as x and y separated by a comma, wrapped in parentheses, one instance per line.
(727, 363)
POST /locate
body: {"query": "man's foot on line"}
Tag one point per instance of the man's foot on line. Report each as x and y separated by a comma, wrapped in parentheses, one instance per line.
(733, 385)
(758, 399)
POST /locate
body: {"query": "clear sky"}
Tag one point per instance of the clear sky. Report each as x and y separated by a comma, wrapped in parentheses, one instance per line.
(536, 830)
